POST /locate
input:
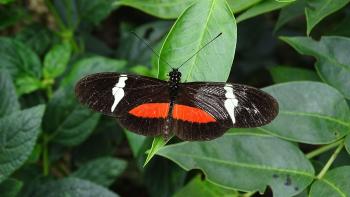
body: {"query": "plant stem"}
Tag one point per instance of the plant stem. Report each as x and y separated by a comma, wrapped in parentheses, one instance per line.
(52, 9)
(322, 149)
(331, 160)
(46, 162)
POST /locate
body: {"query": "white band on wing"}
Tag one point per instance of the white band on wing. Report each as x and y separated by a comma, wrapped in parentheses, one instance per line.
(118, 91)
(231, 102)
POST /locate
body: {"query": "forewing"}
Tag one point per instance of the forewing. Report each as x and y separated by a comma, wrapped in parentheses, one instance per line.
(116, 94)
(231, 105)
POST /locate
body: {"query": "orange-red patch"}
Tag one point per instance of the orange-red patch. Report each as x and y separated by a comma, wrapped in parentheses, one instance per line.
(191, 114)
(151, 110)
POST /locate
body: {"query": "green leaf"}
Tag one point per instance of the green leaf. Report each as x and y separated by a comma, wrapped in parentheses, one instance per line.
(68, 122)
(317, 10)
(239, 5)
(19, 60)
(310, 112)
(199, 24)
(102, 171)
(199, 187)
(56, 60)
(290, 12)
(158, 143)
(6, 1)
(334, 183)
(261, 8)
(72, 187)
(18, 134)
(166, 9)
(281, 74)
(247, 162)
(136, 142)
(163, 177)
(333, 61)
(10, 188)
(347, 143)
(8, 98)
(37, 37)
(27, 84)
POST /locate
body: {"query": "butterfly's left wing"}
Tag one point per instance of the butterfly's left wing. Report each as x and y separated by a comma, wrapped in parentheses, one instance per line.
(220, 106)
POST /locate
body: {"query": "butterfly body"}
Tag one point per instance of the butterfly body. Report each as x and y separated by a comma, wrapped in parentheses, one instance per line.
(191, 111)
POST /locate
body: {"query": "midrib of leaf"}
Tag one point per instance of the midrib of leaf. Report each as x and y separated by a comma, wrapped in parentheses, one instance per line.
(238, 164)
(316, 115)
(333, 186)
(201, 39)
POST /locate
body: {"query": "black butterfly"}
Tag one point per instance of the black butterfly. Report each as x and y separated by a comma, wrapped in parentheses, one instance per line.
(191, 111)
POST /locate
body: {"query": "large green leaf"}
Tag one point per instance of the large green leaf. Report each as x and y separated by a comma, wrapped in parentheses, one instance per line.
(261, 8)
(68, 122)
(194, 28)
(56, 60)
(102, 171)
(18, 134)
(199, 187)
(247, 162)
(160, 8)
(72, 187)
(10, 188)
(22, 63)
(310, 112)
(8, 98)
(239, 5)
(317, 10)
(334, 183)
(282, 74)
(333, 61)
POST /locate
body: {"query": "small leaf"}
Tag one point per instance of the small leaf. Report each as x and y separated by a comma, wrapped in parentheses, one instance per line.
(18, 134)
(281, 74)
(196, 188)
(68, 122)
(27, 84)
(347, 143)
(158, 143)
(334, 183)
(56, 60)
(8, 98)
(247, 162)
(333, 61)
(317, 10)
(102, 171)
(213, 63)
(261, 8)
(310, 112)
(10, 188)
(73, 187)
(21, 62)
(239, 5)
(166, 9)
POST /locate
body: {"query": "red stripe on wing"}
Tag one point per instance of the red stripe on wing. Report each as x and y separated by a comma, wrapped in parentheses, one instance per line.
(151, 110)
(191, 114)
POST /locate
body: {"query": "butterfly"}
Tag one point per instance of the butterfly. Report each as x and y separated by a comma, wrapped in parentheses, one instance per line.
(192, 111)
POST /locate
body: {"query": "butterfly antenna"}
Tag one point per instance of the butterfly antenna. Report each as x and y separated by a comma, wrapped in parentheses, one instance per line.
(200, 49)
(149, 46)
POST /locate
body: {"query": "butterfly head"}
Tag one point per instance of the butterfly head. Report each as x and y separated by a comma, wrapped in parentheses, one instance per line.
(175, 75)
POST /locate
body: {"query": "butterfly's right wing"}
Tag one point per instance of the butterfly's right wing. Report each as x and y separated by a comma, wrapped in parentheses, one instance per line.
(119, 95)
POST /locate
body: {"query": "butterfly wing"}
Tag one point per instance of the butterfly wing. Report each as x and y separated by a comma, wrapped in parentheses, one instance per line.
(121, 95)
(228, 105)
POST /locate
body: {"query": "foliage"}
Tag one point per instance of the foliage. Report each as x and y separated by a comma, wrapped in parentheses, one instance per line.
(50, 145)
